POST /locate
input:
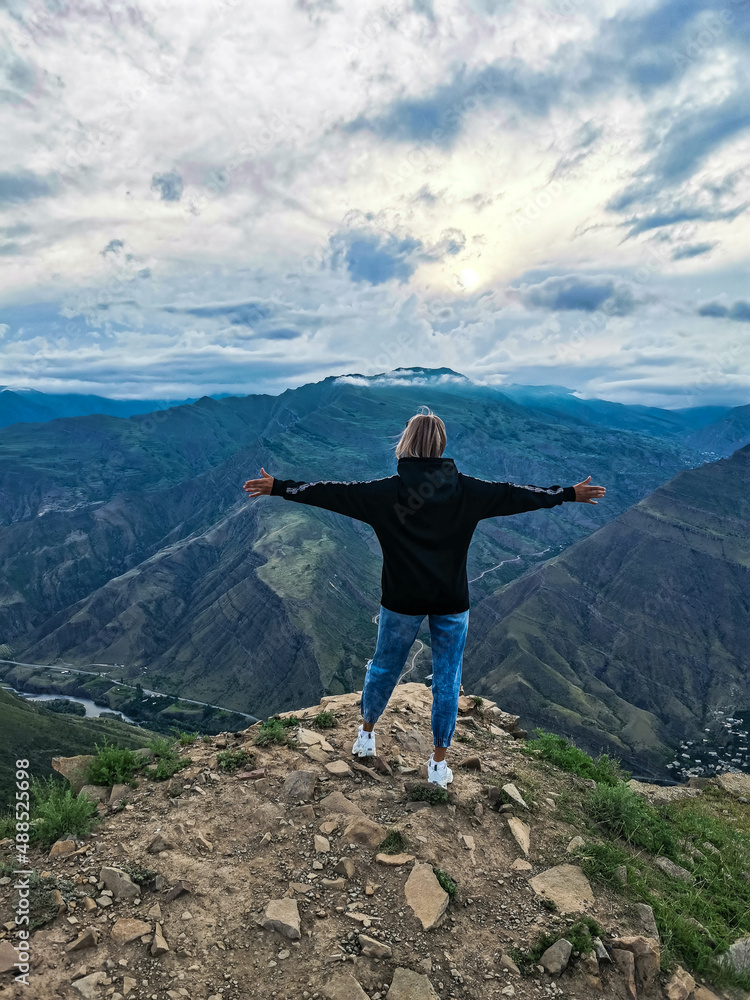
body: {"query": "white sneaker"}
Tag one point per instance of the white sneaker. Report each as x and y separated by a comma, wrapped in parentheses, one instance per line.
(438, 773)
(364, 745)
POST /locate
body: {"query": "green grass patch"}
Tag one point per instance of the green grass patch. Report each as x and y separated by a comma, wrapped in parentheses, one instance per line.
(186, 739)
(233, 760)
(633, 819)
(449, 884)
(394, 842)
(57, 812)
(563, 754)
(167, 761)
(478, 700)
(325, 720)
(433, 794)
(276, 730)
(112, 765)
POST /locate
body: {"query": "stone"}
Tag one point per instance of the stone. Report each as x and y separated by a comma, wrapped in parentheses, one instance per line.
(414, 741)
(155, 912)
(322, 844)
(104, 900)
(308, 737)
(8, 956)
(345, 867)
(159, 844)
(128, 985)
(338, 768)
(575, 843)
(555, 959)
(343, 986)
(506, 962)
(472, 763)
(180, 889)
(202, 843)
(373, 948)
(647, 956)
(519, 865)
(409, 985)
(317, 753)
(337, 802)
(566, 886)
(646, 920)
(701, 993)
(159, 945)
(625, 962)
(425, 896)
(521, 833)
(74, 769)
(364, 831)
(61, 848)
(514, 795)
(121, 884)
(620, 874)
(328, 827)
(299, 786)
(86, 939)
(676, 871)
(88, 904)
(282, 915)
(501, 733)
(738, 955)
(394, 859)
(119, 794)
(467, 842)
(735, 783)
(97, 793)
(126, 929)
(680, 985)
(88, 984)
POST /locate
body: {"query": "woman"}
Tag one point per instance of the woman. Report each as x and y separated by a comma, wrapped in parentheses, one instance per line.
(424, 518)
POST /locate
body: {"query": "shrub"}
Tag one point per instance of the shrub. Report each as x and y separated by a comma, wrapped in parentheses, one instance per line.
(232, 760)
(394, 843)
(478, 700)
(7, 825)
(274, 731)
(563, 754)
(168, 761)
(325, 720)
(112, 766)
(449, 885)
(57, 812)
(186, 739)
(429, 793)
(630, 817)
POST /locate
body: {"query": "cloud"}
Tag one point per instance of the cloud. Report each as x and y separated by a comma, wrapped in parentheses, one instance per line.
(23, 185)
(739, 312)
(687, 213)
(691, 250)
(237, 314)
(572, 291)
(169, 184)
(375, 257)
(114, 247)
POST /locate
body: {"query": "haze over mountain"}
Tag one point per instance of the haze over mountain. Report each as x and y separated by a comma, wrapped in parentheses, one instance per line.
(31, 406)
(129, 541)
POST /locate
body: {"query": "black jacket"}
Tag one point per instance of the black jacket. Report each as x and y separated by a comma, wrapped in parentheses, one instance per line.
(424, 518)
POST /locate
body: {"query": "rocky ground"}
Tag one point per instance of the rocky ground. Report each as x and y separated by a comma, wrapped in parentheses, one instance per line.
(268, 882)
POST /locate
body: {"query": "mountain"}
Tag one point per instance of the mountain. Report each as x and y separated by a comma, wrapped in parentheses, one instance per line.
(31, 406)
(30, 731)
(633, 637)
(130, 541)
(723, 435)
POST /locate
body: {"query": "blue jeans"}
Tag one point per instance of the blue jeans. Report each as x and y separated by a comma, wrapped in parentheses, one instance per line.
(396, 635)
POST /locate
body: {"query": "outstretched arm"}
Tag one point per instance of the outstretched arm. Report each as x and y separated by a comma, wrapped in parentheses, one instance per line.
(502, 499)
(350, 499)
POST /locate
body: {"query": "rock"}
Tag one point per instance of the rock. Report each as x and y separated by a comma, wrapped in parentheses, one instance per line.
(575, 843)
(735, 783)
(88, 904)
(467, 842)
(521, 833)
(590, 962)
(322, 844)
(61, 848)
(373, 948)
(159, 945)
(337, 802)
(345, 867)
(414, 741)
(625, 962)
(155, 912)
(512, 792)
(364, 831)
(344, 986)
(646, 920)
(647, 956)
(409, 985)
(202, 843)
(555, 959)
(339, 768)
(328, 827)
(128, 985)
(472, 763)
(88, 938)
(282, 915)
(663, 793)
(181, 889)
(566, 886)
(701, 993)
(159, 844)
(506, 962)
(738, 955)
(394, 860)
(74, 769)
(97, 793)
(8, 956)
(118, 794)
(519, 865)
(676, 871)
(121, 884)
(317, 753)
(369, 771)
(426, 896)
(88, 984)
(299, 786)
(600, 951)
(308, 737)
(680, 985)
(126, 929)
(620, 874)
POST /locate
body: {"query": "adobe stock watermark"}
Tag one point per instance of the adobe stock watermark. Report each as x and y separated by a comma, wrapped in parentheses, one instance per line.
(417, 497)
(22, 875)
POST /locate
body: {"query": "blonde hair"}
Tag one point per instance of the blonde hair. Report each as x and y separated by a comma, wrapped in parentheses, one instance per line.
(423, 436)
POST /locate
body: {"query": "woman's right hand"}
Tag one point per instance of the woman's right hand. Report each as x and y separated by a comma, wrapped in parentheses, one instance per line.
(585, 493)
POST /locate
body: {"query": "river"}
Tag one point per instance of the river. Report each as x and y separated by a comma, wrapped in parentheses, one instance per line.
(93, 711)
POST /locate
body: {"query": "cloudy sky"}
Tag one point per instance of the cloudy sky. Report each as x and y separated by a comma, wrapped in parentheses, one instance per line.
(224, 196)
